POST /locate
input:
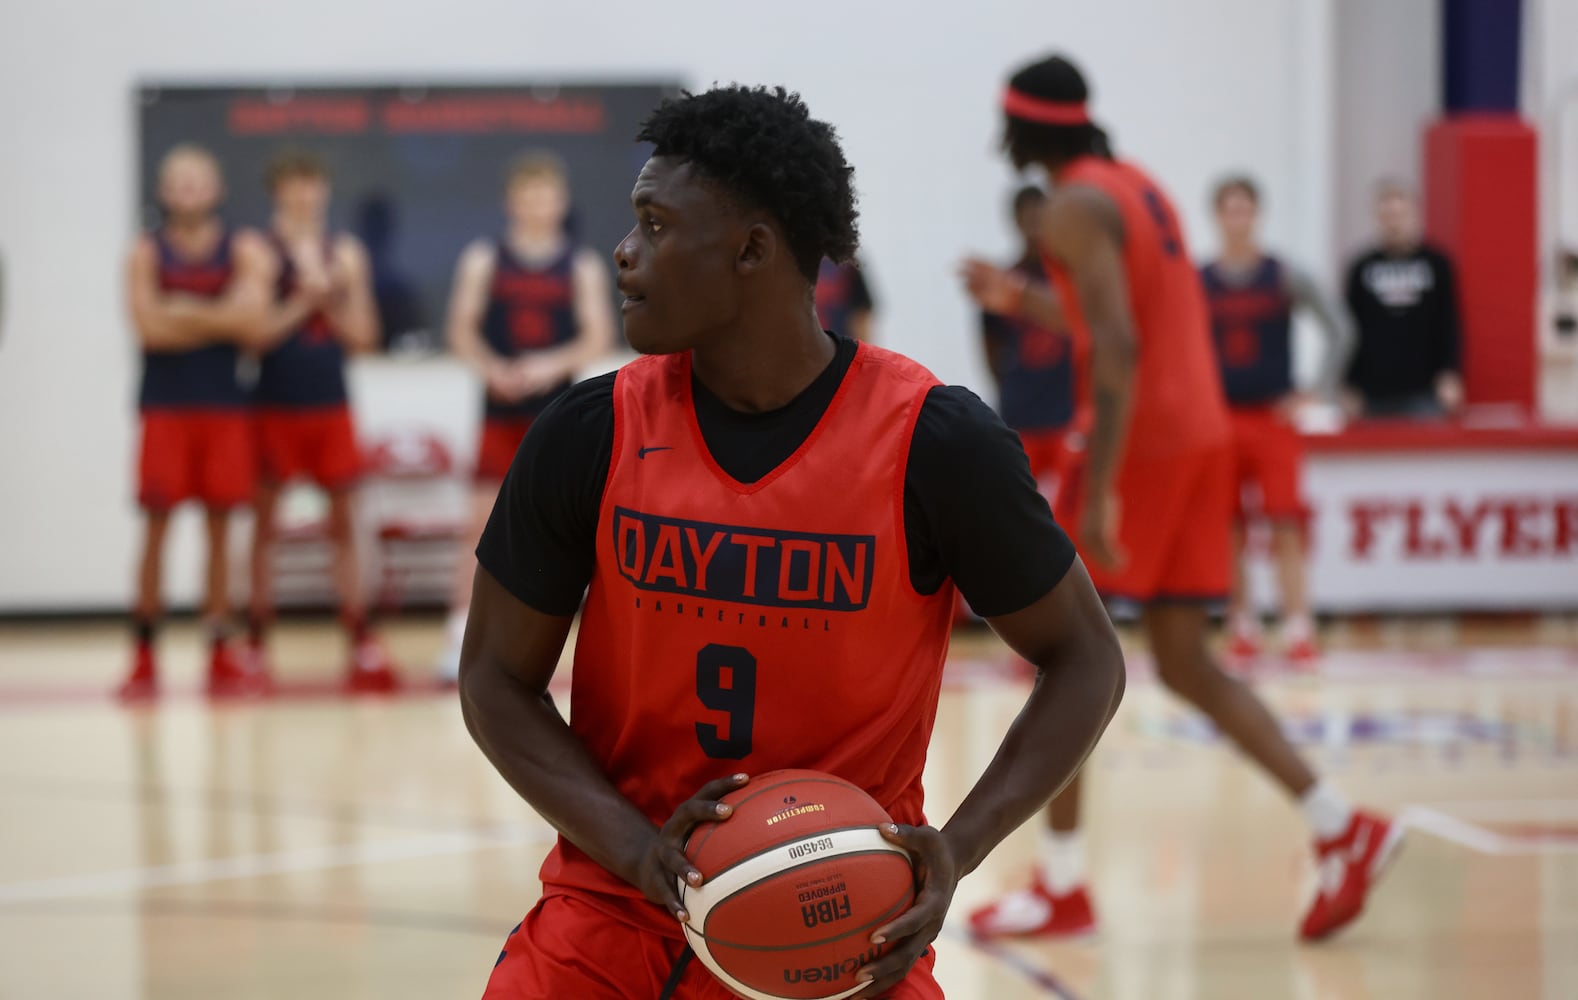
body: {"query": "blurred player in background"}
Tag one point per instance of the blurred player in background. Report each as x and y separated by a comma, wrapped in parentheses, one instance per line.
(1033, 366)
(197, 293)
(844, 303)
(1151, 498)
(1252, 297)
(323, 307)
(528, 311)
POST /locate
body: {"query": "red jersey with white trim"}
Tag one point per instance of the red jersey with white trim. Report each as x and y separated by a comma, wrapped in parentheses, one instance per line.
(1178, 404)
(748, 627)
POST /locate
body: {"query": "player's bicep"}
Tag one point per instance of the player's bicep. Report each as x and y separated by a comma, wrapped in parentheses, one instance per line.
(468, 299)
(360, 303)
(1067, 625)
(507, 635)
(594, 315)
(142, 292)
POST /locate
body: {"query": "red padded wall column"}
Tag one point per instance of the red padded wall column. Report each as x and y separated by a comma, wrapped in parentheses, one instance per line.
(1481, 198)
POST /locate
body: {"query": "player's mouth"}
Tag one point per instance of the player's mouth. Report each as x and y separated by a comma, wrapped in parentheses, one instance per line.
(632, 302)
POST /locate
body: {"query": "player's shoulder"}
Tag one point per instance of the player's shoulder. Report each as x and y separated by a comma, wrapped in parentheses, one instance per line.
(348, 246)
(896, 365)
(480, 252)
(249, 244)
(585, 407)
(954, 420)
(145, 247)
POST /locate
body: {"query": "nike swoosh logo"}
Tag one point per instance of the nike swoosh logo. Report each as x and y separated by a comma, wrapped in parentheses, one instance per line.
(643, 452)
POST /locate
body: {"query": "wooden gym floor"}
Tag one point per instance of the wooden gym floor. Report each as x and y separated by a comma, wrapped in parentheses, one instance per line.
(317, 847)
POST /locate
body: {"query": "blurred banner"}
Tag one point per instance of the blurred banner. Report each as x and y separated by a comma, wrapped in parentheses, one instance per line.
(418, 171)
(1407, 520)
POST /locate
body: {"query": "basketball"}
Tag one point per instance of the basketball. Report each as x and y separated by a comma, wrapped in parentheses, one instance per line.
(796, 881)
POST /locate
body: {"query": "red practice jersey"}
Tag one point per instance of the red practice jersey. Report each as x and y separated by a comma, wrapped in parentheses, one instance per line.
(748, 627)
(1178, 402)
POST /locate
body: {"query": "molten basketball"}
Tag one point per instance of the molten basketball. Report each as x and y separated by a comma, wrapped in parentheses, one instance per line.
(796, 881)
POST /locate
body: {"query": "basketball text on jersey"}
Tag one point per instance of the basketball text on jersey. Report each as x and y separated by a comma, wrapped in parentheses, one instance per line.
(742, 564)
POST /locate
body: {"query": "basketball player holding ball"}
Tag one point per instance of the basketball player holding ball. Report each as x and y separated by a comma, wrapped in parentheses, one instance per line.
(1151, 499)
(772, 521)
(528, 312)
(198, 295)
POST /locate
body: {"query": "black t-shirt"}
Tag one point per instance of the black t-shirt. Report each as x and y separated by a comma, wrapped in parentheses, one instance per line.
(971, 510)
(1405, 310)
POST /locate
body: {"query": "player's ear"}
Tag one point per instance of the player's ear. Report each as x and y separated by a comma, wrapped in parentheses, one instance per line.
(758, 249)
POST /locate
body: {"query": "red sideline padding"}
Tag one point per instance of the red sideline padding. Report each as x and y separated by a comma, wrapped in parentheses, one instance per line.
(1427, 437)
(1481, 203)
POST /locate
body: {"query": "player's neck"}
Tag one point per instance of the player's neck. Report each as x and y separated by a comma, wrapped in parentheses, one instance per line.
(1400, 246)
(293, 229)
(192, 235)
(536, 242)
(1241, 255)
(763, 366)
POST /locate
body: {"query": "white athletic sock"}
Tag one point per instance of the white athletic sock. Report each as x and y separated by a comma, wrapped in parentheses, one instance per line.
(1062, 861)
(456, 627)
(1298, 628)
(1245, 624)
(1326, 810)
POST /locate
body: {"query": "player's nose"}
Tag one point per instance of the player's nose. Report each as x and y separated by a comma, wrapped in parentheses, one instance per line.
(625, 252)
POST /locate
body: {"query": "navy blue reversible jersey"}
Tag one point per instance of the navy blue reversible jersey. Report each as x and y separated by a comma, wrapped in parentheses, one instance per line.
(200, 377)
(1035, 367)
(307, 368)
(530, 308)
(841, 291)
(1252, 324)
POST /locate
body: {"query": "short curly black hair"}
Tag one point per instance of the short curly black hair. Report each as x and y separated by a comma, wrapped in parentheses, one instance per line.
(762, 146)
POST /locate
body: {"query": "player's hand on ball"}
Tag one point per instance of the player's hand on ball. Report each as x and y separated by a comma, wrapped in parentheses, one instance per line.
(665, 864)
(914, 931)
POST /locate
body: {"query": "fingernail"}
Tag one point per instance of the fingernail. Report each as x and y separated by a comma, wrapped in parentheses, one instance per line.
(694, 878)
(682, 916)
(891, 828)
(740, 776)
(724, 809)
(878, 939)
(866, 977)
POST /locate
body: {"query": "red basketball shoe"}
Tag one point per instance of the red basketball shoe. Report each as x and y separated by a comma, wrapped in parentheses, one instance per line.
(1347, 868)
(232, 675)
(1036, 912)
(371, 671)
(143, 681)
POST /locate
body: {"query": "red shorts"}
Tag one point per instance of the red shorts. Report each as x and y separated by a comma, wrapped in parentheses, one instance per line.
(1268, 455)
(204, 455)
(566, 948)
(1175, 519)
(316, 444)
(501, 439)
(1049, 456)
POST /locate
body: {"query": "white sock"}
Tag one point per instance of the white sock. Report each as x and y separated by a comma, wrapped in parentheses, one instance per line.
(1298, 628)
(1245, 624)
(1062, 861)
(1326, 810)
(456, 627)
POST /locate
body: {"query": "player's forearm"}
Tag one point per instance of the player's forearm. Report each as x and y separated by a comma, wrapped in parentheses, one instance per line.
(1041, 307)
(533, 748)
(466, 343)
(1112, 397)
(1074, 698)
(356, 327)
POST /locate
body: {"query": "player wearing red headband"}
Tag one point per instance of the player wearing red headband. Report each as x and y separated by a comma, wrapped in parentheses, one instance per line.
(1151, 500)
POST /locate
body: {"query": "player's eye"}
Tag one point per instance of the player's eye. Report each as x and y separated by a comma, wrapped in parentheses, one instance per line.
(653, 225)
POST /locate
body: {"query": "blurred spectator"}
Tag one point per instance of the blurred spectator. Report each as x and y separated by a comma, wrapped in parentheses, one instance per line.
(198, 293)
(843, 300)
(528, 311)
(323, 310)
(1031, 365)
(1252, 296)
(1403, 297)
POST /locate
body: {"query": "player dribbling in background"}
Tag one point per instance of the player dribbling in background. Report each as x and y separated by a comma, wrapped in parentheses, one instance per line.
(1151, 500)
(198, 294)
(529, 310)
(771, 521)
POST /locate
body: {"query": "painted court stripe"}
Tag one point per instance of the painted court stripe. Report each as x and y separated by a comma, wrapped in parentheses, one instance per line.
(255, 865)
(1477, 838)
(1043, 980)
